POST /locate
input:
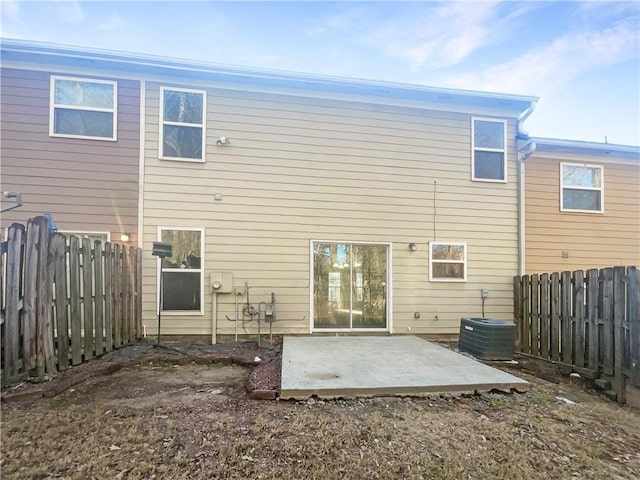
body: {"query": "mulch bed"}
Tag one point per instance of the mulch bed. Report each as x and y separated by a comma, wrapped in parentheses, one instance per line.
(263, 382)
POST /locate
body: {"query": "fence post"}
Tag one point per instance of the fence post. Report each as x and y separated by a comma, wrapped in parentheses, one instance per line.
(517, 309)
(116, 290)
(526, 314)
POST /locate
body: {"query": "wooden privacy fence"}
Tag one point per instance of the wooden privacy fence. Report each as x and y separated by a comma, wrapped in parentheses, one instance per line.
(587, 320)
(63, 304)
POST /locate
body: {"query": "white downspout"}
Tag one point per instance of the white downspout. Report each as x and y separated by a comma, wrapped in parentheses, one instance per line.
(524, 152)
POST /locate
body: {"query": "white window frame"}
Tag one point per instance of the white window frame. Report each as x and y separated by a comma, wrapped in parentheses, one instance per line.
(463, 262)
(53, 106)
(502, 150)
(183, 124)
(600, 189)
(389, 311)
(192, 270)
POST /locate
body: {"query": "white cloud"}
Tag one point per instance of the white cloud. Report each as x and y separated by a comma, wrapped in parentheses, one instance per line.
(10, 9)
(547, 68)
(445, 34)
(71, 12)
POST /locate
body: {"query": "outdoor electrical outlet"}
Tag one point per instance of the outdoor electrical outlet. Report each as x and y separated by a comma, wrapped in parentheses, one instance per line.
(484, 293)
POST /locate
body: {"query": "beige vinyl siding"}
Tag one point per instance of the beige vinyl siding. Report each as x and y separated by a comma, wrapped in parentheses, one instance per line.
(306, 169)
(591, 240)
(87, 185)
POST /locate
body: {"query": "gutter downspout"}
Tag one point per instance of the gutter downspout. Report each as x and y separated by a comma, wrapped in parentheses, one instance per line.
(525, 149)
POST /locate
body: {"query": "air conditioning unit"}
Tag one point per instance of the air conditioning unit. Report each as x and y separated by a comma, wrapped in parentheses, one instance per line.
(487, 339)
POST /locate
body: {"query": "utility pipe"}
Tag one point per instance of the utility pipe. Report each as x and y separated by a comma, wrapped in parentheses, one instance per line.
(214, 317)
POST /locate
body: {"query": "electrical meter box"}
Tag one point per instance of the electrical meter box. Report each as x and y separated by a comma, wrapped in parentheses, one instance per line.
(222, 282)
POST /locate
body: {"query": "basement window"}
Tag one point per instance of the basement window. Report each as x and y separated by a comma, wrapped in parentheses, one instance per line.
(489, 150)
(182, 281)
(83, 108)
(581, 188)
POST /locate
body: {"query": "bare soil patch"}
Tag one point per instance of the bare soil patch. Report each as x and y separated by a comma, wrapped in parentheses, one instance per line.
(166, 418)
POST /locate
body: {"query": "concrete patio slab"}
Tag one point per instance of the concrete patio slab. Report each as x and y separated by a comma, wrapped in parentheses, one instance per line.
(331, 367)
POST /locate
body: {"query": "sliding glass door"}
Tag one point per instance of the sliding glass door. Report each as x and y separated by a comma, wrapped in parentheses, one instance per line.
(349, 286)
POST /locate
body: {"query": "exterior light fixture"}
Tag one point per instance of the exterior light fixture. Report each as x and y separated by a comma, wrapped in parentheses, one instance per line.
(124, 237)
(223, 141)
(413, 247)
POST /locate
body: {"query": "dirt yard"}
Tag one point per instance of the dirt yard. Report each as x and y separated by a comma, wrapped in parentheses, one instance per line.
(178, 416)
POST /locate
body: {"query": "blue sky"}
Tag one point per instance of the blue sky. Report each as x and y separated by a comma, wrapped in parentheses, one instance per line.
(581, 58)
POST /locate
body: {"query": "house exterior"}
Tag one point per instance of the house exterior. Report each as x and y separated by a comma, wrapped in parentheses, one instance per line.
(582, 205)
(357, 206)
(70, 145)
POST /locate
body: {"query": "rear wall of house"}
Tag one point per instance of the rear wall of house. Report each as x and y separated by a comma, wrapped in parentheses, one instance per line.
(557, 241)
(301, 169)
(87, 185)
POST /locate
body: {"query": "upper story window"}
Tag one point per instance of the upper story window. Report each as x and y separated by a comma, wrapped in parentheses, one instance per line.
(581, 188)
(447, 261)
(182, 121)
(489, 150)
(83, 108)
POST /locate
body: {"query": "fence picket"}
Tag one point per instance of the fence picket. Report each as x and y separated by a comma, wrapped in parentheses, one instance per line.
(544, 315)
(535, 314)
(618, 332)
(606, 319)
(131, 295)
(578, 308)
(565, 317)
(11, 325)
(517, 309)
(108, 297)
(125, 296)
(138, 293)
(57, 252)
(74, 301)
(117, 295)
(554, 309)
(87, 298)
(98, 297)
(30, 295)
(592, 318)
(45, 354)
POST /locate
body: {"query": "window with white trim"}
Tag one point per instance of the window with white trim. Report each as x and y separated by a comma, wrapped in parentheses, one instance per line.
(182, 121)
(83, 108)
(489, 150)
(581, 188)
(447, 261)
(182, 281)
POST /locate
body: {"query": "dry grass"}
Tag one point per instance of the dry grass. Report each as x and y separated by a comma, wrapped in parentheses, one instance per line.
(103, 430)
